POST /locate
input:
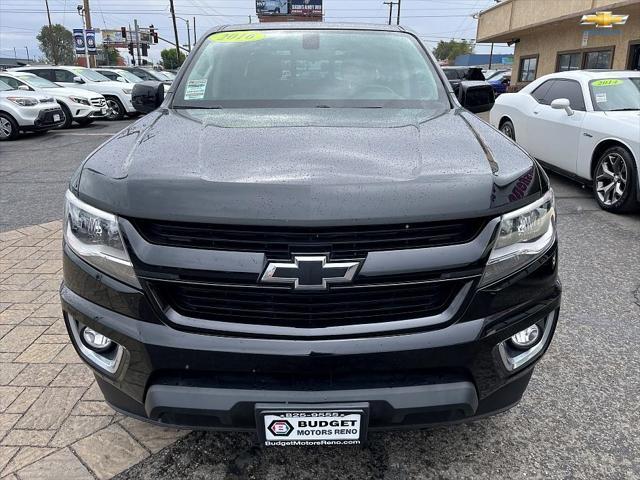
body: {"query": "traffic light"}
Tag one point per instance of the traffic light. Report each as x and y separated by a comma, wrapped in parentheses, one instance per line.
(144, 48)
(153, 34)
(124, 32)
(131, 48)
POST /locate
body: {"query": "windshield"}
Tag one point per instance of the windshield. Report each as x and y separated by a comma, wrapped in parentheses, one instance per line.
(4, 87)
(313, 68)
(129, 76)
(169, 75)
(90, 75)
(611, 94)
(38, 82)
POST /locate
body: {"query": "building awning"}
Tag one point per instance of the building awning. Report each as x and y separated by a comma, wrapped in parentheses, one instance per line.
(510, 19)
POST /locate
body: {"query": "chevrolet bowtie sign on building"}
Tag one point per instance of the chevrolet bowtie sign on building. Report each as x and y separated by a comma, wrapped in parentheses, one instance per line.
(604, 19)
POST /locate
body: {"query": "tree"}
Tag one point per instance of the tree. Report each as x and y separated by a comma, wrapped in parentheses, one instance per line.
(111, 55)
(169, 59)
(56, 43)
(451, 49)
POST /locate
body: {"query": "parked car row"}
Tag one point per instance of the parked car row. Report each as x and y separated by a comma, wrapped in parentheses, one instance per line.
(77, 94)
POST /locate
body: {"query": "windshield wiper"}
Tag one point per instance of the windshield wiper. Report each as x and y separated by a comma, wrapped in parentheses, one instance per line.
(624, 110)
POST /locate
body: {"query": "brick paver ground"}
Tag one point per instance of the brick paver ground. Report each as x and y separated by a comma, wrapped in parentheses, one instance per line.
(53, 420)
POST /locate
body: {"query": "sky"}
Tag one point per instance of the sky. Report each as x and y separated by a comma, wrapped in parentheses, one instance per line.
(434, 20)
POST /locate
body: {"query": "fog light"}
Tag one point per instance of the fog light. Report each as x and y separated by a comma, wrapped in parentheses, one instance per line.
(526, 338)
(95, 341)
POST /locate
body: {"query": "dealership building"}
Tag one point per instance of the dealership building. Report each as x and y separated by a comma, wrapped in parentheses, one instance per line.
(559, 35)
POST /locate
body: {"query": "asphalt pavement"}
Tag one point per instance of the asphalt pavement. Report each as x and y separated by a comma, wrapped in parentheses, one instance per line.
(578, 419)
(35, 171)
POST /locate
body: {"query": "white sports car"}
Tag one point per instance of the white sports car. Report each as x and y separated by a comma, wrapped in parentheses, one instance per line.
(584, 124)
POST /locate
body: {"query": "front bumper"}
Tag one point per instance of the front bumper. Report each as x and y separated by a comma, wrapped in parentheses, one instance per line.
(46, 120)
(210, 381)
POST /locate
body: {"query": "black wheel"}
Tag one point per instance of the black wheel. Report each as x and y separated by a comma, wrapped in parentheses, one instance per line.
(8, 127)
(68, 119)
(115, 109)
(508, 129)
(614, 180)
(83, 122)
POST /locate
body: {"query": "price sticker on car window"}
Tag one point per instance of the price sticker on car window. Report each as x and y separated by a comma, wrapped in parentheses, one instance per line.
(237, 37)
(607, 82)
(195, 89)
(601, 97)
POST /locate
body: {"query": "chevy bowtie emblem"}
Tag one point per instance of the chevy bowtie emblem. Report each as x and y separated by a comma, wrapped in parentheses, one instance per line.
(310, 272)
(604, 19)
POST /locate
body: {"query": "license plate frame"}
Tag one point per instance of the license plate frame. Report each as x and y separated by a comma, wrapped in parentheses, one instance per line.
(344, 413)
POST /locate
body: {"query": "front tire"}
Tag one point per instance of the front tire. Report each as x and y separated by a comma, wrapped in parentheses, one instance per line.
(614, 181)
(508, 129)
(115, 109)
(68, 118)
(8, 127)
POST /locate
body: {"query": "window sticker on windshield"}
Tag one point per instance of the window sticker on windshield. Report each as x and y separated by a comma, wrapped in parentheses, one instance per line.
(601, 98)
(607, 83)
(195, 89)
(237, 37)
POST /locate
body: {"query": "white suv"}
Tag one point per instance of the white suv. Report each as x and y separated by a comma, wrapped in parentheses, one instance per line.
(77, 104)
(117, 94)
(26, 111)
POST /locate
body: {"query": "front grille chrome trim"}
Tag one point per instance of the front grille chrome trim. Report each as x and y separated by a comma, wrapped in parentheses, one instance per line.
(355, 330)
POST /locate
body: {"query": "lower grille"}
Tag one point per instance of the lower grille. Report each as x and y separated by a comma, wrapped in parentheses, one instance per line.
(47, 117)
(286, 308)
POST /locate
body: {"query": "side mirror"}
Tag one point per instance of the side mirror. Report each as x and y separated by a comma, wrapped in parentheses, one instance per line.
(147, 96)
(78, 79)
(24, 87)
(476, 96)
(562, 104)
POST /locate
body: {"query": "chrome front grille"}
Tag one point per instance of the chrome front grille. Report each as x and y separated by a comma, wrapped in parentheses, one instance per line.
(98, 102)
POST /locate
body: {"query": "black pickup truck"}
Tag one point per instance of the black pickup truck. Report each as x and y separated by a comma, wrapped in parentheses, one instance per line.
(308, 237)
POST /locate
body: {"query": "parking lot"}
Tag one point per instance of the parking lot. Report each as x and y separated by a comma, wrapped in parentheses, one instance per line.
(578, 419)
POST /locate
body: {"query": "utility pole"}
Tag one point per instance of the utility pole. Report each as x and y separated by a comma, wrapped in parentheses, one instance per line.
(188, 36)
(195, 40)
(54, 52)
(491, 56)
(137, 32)
(249, 18)
(175, 31)
(391, 4)
(399, 1)
(27, 49)
(87, 22)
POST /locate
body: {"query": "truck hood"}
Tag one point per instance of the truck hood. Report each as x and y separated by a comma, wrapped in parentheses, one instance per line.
(308, 167)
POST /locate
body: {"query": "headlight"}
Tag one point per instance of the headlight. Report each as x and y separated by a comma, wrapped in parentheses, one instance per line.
(80, 100)
(525, 234)
(127, 90)
(24, 101)
(94, 236)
